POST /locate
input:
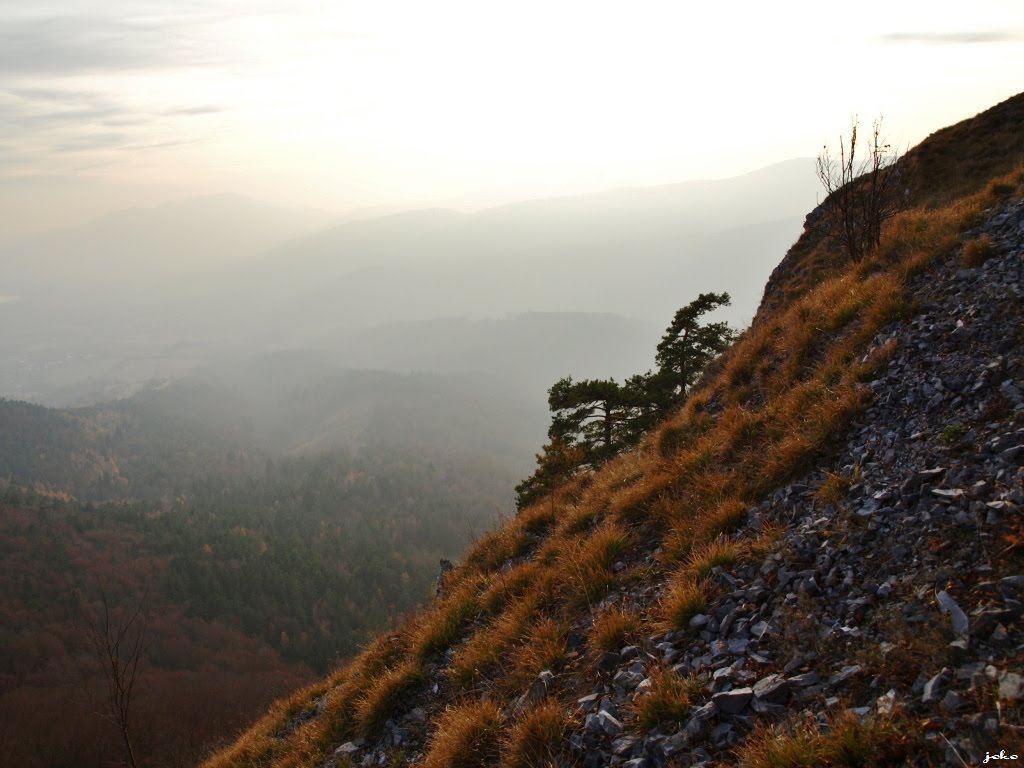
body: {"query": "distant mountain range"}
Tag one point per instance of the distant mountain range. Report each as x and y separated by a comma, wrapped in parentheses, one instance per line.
(99, 309)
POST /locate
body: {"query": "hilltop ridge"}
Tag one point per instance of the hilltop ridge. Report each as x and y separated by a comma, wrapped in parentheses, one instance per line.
(817, 561)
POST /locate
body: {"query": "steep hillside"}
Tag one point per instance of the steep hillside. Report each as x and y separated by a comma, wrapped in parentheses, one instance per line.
(816, 562)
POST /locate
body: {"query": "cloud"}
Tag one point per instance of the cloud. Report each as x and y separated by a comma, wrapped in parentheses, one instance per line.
(205, 109)
(955, 38)
(38, 111)
(67, 120)
(54, 38)
(76, 45)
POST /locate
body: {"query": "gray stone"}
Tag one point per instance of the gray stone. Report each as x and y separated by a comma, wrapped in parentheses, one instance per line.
(947, 604)
(623, 745)
(805, 680)
(608, 723)
(772, 689)
(886, 703)
(933, 688)
(627, 679)
(844, 674)
(347, 749)
(733, 702)
(1011, 686)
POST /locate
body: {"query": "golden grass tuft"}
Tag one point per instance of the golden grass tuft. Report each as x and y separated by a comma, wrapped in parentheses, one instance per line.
(468, 736)
(716, 516)
(668, 701)
(833, 489)
(586, 565)
(977, 251)
(483, 649)
(341, 693)
(705, 558)
(633, 503)
(437, 629)
(386, 696)
(498, 547)
(539, 518)
(684, 600)
(612, 629)
(545, 648)
(848, 743)
(538, 739)
(507, 587)
(726, 518)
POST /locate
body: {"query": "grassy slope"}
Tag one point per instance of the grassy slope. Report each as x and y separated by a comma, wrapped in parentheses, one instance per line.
(521, 601)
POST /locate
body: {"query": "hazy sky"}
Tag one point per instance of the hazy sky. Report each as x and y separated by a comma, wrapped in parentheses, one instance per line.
(336, 104)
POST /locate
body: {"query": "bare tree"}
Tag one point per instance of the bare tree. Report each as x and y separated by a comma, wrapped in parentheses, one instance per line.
(862, 193)
(118, 641)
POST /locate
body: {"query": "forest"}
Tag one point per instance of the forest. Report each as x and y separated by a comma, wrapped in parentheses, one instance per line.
(254, 579)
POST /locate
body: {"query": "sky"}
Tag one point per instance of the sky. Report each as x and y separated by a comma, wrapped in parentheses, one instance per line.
(345, 105)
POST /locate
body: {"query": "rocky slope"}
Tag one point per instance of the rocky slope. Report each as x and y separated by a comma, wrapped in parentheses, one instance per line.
(820, 561)
(900, 589)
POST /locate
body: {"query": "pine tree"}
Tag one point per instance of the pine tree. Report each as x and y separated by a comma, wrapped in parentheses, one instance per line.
(590, 414)
(557, 463)
(688, 346)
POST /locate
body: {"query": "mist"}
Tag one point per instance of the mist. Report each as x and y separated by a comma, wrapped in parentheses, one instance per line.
(531, 291)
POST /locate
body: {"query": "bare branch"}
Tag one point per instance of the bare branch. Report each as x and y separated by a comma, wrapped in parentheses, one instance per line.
(119, 644)
(861, 193)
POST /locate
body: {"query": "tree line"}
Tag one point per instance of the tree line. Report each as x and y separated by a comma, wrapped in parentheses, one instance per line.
(593, 420)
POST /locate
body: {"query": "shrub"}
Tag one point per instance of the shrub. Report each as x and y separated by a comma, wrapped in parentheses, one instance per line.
(953, 434)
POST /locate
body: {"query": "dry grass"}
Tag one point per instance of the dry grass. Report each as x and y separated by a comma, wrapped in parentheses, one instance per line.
(538, 519)
(726, 518)
(544, 649)
(467, 736)
(506, 587)
(342, 691)
(848, 743)
(438, 629)
(612, 629)
(684, 600)
(586, 565)
(387, 696)
(911, 648)
(668, 701)
(481, 652)
(697, 523)
(833, 489)
(977, 251)
(538, 738)
(714, 554)
(497, 548)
